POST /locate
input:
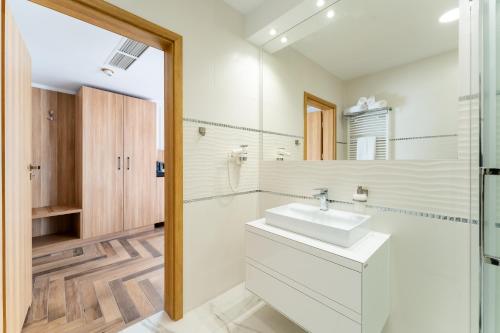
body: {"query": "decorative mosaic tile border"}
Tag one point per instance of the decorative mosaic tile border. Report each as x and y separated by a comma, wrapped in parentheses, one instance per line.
(401, 211)
(188, 201)
(255, 130)
(211, 123)
(424, 137)
(471, 97)
(386, 209)
(242, 128)
(283, 134)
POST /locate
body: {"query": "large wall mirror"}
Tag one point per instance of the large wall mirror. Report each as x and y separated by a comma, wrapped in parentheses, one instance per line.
(365, 80)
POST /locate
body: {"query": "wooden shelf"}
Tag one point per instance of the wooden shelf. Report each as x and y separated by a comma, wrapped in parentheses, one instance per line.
(48, 240)
(41, 212)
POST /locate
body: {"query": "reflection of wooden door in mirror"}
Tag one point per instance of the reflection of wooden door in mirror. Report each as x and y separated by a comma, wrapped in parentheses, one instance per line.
(319, 129)
(314, 136)
(329, 134)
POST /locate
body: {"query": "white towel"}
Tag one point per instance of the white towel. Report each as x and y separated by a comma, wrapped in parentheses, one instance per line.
(366, 147)
(362, 102)
(356, 108)
(377, 104)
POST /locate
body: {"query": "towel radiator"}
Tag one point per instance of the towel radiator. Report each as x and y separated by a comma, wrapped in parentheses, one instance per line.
(371, 123)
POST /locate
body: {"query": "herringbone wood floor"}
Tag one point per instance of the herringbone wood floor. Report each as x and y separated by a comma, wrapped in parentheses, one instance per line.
(100, 287)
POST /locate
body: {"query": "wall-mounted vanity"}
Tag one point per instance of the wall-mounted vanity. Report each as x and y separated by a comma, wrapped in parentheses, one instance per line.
(323, 287)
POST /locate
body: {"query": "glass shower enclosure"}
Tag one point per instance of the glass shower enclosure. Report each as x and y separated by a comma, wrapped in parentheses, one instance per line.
(489, 165)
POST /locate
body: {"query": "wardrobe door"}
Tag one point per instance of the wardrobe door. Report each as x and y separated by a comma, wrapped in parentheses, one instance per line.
(140, 162)
(102, 159)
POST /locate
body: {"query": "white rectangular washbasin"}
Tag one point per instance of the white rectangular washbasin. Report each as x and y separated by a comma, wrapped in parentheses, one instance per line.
(332, 226)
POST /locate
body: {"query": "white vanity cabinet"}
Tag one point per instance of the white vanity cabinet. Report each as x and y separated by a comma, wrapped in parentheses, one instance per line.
(319, 286)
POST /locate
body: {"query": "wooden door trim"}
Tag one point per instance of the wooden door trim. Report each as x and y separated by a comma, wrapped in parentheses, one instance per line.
(112, 18)
(323, 105)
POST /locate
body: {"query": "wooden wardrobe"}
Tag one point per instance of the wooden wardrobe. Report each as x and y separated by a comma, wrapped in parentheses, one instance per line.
(118, 153)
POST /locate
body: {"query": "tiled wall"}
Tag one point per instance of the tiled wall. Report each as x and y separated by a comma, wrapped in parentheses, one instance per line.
(423, 205)
(436, 187)
(206, 160)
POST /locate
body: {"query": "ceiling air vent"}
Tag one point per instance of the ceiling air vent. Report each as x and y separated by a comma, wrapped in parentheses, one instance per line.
(126, 53)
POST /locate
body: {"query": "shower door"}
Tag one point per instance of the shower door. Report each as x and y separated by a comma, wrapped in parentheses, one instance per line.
(490, 167)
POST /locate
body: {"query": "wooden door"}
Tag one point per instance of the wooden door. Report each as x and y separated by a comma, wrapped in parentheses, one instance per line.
(329, 140)
(101, 115)
(314, 136)
(17, 177)
(140, 162)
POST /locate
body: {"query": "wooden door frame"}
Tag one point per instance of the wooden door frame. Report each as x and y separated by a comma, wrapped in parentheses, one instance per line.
(112, 18)
(323, 105)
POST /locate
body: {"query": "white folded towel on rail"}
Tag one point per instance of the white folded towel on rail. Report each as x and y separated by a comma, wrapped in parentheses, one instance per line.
(366, 147)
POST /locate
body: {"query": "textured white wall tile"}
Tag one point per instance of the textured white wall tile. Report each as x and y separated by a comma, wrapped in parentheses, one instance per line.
(428, 186)
(214, 246)
(206, 161)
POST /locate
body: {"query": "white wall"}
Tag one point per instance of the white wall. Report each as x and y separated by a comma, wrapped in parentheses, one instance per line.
(221, 84)
(287, 74)
(430, 277)
(424, 96)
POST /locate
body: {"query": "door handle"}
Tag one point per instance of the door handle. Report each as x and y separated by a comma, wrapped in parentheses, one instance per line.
(33, 167)
(128, 162)
(119, 163)
(31, 170)
(482, 223)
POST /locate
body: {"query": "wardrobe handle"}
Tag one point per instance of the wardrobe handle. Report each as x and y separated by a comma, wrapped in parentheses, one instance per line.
(119, 163)
(128, 163)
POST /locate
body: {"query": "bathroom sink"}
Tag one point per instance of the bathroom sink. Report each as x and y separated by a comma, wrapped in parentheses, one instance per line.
(332, 226)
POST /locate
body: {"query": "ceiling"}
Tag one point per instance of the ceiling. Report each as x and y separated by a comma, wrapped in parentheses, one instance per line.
(368, 36)
(244, 6)
(67, 53)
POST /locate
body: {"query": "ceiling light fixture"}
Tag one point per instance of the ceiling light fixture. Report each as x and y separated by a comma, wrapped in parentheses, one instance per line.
(283, 40)
(272, 32)
(109, 72)
(450, 16)
(330, 14)
(320, 3)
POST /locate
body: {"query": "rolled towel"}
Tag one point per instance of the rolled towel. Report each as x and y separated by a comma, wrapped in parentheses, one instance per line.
(356, 108)
(363, 101)
(379, 104)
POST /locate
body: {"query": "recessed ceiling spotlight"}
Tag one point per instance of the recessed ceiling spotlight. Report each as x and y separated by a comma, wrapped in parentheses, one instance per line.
(330, 13)
(450, 16)
(320, 3)
(283, 40)
(109, 72)
(272, 32)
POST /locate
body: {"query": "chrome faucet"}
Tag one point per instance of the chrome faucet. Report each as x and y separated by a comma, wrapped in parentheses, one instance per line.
(323, 198)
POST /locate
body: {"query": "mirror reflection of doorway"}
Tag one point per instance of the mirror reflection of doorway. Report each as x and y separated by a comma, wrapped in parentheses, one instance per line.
(319, 129)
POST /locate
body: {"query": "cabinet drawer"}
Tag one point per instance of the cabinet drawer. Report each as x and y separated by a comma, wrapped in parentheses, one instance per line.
(305, 311)
(333, 281)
